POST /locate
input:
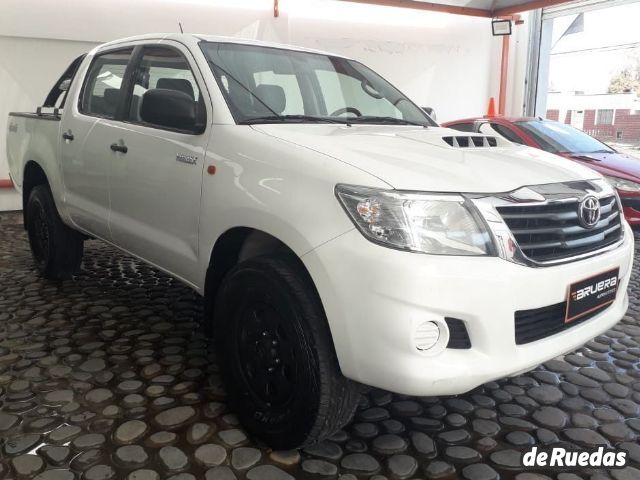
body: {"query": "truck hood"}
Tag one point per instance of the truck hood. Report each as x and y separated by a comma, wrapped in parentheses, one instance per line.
(416, 158)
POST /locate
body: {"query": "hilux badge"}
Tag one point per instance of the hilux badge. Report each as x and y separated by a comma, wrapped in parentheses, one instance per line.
(188, 159)
(589, 211)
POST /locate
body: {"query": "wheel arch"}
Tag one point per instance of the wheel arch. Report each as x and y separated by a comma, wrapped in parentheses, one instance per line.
(242, 243)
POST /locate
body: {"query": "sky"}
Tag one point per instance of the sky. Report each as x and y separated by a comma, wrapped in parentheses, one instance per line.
(576, 66)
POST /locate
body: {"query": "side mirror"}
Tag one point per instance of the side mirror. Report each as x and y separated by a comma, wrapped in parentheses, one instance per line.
(168, 108)
(430, 111)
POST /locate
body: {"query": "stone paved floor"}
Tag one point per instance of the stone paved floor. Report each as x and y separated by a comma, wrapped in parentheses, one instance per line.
(109, 376)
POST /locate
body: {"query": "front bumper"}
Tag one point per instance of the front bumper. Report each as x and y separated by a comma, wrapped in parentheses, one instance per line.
(375, 297)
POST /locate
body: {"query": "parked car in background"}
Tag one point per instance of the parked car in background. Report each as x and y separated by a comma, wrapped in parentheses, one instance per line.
(621, 170)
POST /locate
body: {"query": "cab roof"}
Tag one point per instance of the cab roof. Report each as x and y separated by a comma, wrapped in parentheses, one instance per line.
(192, 39)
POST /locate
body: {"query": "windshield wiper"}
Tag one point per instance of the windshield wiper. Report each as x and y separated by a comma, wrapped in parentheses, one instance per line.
(292, 118)
(384, 120)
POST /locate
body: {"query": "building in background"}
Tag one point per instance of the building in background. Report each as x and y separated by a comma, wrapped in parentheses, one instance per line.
(594, 73)
(606, 116)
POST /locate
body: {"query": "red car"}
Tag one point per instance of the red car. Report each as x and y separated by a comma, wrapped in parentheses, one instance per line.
(622, 171)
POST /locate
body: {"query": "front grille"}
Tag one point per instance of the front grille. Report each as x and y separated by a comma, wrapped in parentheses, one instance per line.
(552, 231)
(458, 336)
(532, 325)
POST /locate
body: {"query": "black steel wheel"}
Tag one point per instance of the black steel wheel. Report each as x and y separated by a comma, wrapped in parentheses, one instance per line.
(277, 355)
(39, 234)
(56, 249)
(265, 353)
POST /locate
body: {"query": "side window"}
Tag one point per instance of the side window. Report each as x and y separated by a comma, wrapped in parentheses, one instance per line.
(509, 134)
(501, 130)
(165, 68)
(463, 127)
(102, 88)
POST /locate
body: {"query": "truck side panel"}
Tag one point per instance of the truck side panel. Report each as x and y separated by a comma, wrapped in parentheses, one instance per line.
(33, 138)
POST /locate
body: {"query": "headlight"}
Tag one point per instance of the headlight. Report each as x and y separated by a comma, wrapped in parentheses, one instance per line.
(439, 224)
(622, 184)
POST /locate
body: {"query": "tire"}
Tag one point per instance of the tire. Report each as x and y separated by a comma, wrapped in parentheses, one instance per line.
(277, 356)
(56, 249)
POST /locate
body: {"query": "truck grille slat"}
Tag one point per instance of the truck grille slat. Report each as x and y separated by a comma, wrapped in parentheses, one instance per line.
(552, 231)
(566, 230)
(545, 216)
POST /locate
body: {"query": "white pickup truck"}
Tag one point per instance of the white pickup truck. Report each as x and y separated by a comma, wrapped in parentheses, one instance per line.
(338, 235)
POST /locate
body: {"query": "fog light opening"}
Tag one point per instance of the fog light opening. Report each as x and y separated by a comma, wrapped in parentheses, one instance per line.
(426, 336)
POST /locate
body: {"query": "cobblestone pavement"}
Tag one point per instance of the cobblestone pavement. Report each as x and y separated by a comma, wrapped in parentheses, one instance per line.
(109, 376)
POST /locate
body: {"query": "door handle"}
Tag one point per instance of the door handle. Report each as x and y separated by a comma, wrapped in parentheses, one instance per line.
(116, 147)
(68, 136)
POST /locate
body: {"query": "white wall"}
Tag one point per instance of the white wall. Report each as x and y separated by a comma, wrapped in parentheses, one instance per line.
(28, 68)
(444, 61)
(439, 60)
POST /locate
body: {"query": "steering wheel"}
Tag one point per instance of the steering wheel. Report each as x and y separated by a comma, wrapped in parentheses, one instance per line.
(342, 110)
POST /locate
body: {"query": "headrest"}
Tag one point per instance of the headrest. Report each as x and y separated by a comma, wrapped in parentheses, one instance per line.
(179, 84)
(168, 108)
(273, 96)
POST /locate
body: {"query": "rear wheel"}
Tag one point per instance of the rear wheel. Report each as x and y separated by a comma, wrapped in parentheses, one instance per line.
(56, 249)
(277, 356)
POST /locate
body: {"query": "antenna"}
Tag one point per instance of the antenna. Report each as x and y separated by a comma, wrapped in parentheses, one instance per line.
(180, 25)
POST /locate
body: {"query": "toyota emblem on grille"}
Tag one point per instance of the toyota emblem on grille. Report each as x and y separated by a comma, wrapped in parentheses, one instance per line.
(589, 211)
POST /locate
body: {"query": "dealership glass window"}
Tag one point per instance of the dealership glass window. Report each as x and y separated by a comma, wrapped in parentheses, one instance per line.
(604, 117)
(102, 89)
(167, 68)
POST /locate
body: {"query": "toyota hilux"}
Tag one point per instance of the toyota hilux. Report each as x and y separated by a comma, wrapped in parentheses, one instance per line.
(338, 235)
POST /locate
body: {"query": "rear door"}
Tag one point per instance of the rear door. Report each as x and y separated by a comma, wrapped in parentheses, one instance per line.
(155, 186)
(84, 153)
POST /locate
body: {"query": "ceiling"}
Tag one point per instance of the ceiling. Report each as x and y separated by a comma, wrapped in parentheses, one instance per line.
(476, 8)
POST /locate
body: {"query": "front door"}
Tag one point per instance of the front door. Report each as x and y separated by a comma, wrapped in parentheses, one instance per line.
(155, 171)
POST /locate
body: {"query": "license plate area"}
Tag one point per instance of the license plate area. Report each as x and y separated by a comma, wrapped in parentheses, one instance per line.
(591, 294)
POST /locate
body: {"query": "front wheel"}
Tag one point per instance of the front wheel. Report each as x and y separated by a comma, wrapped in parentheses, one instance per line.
(56, 248)
(277, 356)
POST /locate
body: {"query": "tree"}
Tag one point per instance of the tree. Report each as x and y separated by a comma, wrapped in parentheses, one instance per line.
(628, 79)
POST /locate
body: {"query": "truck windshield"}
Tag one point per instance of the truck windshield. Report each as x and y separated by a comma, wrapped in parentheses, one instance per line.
(274, 85)
(557, 137)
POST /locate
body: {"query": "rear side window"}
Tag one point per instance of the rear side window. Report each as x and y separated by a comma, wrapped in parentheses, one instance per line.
(103, 83)
(463, 127)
